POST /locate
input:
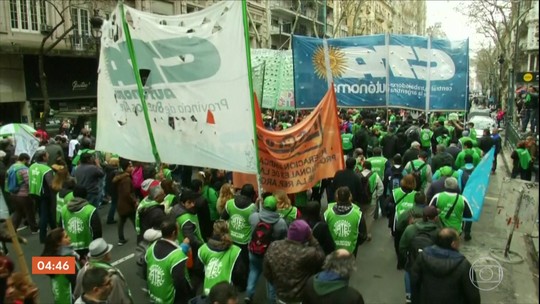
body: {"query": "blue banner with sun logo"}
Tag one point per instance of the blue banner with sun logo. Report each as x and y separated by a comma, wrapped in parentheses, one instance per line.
(364, 67)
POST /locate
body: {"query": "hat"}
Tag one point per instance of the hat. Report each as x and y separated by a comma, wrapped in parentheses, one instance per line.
(2, 154)
(299, 231)
(446, 171)
(442, 119)
(98, 248)
(270, 203)
(430, 212)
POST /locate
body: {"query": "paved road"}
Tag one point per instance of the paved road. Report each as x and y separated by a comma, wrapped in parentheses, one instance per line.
(376, 276)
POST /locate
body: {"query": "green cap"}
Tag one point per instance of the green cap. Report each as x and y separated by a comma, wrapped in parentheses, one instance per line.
(442, 119)
(270, 203)
(446, 171)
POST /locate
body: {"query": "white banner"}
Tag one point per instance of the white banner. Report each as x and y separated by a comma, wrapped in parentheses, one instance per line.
(25, 142)
(197, 91)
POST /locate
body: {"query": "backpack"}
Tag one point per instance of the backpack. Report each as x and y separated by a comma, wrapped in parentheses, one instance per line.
(395, 179)
(420, 241)
(365, 189)
(14, 180)
(417, 173)
(261, 238)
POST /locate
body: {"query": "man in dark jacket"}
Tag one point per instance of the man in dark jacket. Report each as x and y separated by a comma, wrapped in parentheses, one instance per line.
(486, 142)
(150, 213)
(497, 142)
(347, 178)
(441, 159)
(304, 258)
(443, 275)
(88, 175)
(453, 149)
(389, 144)
(412, 153)
(331, 285)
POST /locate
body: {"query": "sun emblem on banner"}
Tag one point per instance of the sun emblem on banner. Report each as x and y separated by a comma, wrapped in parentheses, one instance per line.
(337, 61)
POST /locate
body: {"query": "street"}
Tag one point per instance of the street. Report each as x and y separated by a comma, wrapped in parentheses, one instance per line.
(376, 277)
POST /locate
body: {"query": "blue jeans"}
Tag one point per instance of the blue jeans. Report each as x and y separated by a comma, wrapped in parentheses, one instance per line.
(47, 216)
(112, 209)
(407, 284)
(255, 270)
(94, 199)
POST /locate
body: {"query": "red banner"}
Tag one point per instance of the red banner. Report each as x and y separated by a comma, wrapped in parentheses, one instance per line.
(296, 159)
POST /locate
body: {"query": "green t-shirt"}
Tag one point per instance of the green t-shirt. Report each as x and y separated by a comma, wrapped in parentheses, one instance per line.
(344, 227)
(239, 222)
(218, 265)
(77, 225)
(159, 274)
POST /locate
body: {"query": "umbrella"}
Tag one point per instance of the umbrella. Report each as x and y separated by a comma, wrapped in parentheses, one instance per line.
(12, 128)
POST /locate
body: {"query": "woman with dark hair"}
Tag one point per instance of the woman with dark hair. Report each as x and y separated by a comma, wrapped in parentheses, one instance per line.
(58, 243)
(220, 248)
(319, 228)
(63, 185)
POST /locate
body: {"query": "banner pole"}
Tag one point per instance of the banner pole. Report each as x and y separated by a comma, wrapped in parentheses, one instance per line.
(428, 81)
(329, 78)
(140, 89)
(250, 83)
(387, 93)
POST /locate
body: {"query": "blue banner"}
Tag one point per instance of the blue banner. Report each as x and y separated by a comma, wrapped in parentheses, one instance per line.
(359, 69)
(478, 183)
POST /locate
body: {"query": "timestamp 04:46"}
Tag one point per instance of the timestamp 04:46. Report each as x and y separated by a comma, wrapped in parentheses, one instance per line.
(53, 265)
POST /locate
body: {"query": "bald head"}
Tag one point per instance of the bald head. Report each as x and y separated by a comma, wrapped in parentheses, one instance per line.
(340, 262)
(448, 238)
(343, 253)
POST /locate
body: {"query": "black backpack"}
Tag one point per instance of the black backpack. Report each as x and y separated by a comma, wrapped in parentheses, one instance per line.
(417, 173)
(261, 238)
(421, 240)
(365, 189)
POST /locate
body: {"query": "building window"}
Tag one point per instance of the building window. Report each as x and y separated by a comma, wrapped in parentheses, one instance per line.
(81, 33)
(26, 15)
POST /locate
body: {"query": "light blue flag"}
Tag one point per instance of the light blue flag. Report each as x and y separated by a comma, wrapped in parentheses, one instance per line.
(475, 190)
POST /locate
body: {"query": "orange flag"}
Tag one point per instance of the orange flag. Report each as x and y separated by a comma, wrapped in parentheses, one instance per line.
(296, 159)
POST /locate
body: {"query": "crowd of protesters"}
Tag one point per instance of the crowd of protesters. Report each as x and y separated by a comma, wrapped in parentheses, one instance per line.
(203, 239)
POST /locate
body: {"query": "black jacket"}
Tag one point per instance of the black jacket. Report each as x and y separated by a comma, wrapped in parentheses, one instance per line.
(442, 276)
(182, 286)
(320, 290)
(440, 160)
(485, 143)
(410, 154)
(346, 178)
(322, 234)
(389, 145)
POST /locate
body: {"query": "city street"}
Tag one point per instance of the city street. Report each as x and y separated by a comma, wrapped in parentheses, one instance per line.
(376, 277)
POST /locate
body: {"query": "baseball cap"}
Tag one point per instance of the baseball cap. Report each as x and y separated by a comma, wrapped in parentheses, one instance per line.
(270, 203)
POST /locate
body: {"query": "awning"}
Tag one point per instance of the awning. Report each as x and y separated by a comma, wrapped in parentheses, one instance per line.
(67, 77)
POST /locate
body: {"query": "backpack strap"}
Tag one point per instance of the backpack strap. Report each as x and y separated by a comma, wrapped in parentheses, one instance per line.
(447, 215)
(402, 198)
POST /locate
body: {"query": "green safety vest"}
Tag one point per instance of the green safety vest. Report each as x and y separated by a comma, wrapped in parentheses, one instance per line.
(142, 205)
(111, 269)
(524, 158)
(392, 118)
(61, 289)
(60, 203)
(378, 164)
(239, 222)
(444, 203)
(355, 128)
(417, 164)
(289, 214)
(77, 225)
(450, 131)
(472, 135)
(182, 220)
(460, 159)
(167, 202)
(211, 197)
(425, 138)
(218, 265)
(36, 174)
(346, 141)
(159, 274)
(465, 139)
(344, 227)
(443, 140)
(406, 203)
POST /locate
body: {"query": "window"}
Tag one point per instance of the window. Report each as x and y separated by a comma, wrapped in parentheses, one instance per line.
(27, 15)
(81, 33)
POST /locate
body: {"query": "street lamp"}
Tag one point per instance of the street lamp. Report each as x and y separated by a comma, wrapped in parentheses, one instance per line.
(96, 22)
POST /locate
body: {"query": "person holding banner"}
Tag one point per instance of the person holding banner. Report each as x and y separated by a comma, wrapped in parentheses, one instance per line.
(523, 162)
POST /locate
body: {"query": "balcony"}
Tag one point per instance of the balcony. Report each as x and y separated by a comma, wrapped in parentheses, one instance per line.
(81, 42)
(285, 30)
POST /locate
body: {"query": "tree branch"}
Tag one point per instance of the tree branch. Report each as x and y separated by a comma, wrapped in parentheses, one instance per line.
(64, 34)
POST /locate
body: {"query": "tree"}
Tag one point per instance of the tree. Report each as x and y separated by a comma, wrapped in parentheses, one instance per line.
(46, 48)
(348, 13)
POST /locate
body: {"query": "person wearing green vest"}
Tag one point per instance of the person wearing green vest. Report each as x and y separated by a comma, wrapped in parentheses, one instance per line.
(62, 198)
(286, 210)
(464, 138)
(85, 144)
(472, 133)
(220, 258)
(452, 205)
(211, 197)
(425, 138)
(40, 177)
(22, 203)
(188, 221)
(405, 219)
(150, 211)
(358, 154)
(369, 202)
(522, 162)
(165, 267)
(81, 221)
(345, 221)
(347, 143)
(421, 170)
(99, 256)
(58, 244)
(96, 286)
(468, 149)
(379, 163)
